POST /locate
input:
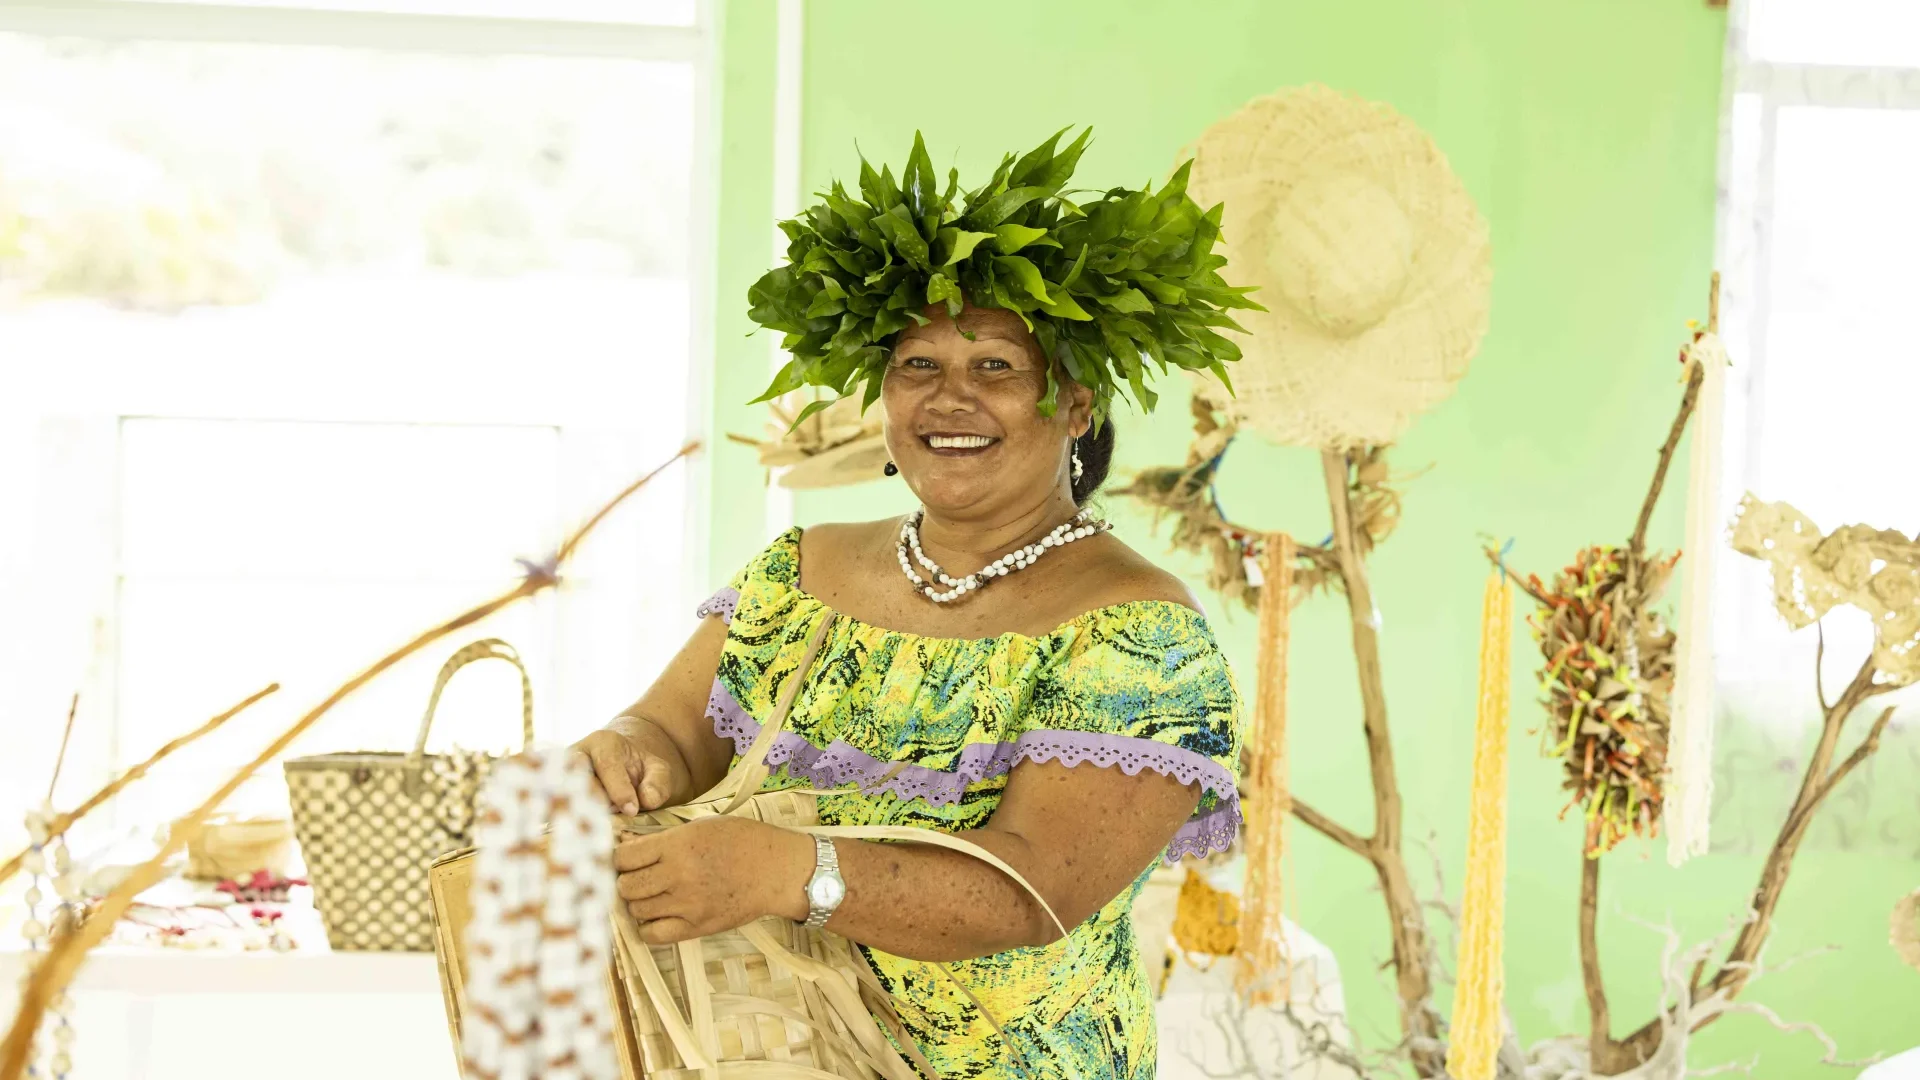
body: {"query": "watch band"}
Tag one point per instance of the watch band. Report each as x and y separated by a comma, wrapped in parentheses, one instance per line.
(826, 865)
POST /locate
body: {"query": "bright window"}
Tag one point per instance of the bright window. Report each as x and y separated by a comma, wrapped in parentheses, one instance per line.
(303, 343)
(1819, 222)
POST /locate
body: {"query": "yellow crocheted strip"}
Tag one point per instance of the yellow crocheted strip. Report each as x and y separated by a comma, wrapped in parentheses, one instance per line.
(1476, 1029)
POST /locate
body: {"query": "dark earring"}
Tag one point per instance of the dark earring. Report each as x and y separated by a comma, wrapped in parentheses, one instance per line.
(891, 469)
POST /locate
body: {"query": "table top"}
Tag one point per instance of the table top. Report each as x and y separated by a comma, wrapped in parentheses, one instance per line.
(310, 967)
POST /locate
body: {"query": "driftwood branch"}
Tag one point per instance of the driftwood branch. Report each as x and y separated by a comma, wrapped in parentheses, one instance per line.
(57, 968)
(1820, 664)
(1411, 949)
(1638, 543)
(1332, 830)
(1600, 1022)
(62, 822)
(1820, 779)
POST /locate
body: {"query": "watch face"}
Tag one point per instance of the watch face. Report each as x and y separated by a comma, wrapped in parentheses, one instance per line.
(826, 891)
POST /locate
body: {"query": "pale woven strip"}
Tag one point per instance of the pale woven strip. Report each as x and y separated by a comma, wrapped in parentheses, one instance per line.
(1689, 784)
(1264, 973)
(1475, 1034)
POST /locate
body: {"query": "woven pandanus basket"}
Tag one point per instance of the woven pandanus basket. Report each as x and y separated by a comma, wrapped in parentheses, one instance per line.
(772, 1000)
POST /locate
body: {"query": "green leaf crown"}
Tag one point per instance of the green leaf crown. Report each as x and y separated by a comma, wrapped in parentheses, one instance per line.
(1105, 285)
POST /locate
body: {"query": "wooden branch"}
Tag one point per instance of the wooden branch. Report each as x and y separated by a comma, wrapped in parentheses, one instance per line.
(1519, 582)
(1411, 951)
(66, 736)
(1332, 830)
(1637, 545)
(1816, 784)
(1819, 662)
(1600, 1023)
(1688, 400)
(1867, 748)
(62, 822)
(56, 969)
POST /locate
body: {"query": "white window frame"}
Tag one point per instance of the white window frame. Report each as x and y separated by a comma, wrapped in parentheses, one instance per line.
(1744, 229)
(696, 45)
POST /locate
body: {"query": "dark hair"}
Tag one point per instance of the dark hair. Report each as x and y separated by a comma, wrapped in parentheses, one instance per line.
(1096, 457)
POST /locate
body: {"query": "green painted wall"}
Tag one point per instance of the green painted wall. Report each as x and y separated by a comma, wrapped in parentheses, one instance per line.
(1585, 129)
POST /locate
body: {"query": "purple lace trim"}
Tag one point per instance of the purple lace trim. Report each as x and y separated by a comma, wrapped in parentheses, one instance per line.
(721, 603)
(839, 764)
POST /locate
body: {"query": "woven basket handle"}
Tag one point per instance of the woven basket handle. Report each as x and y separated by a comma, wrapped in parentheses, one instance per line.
(744, 780)
(484, 649)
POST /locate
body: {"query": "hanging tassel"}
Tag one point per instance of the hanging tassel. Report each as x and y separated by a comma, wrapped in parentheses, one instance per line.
(1476, 1032)
(1264, 973)
(1689, 783)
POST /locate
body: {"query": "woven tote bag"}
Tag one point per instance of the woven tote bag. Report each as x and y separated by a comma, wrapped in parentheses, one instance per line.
(772, 1000)
(371, 823)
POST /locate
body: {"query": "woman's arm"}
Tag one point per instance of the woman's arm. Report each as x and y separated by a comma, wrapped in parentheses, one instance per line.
(662, 750)
(1079, 835)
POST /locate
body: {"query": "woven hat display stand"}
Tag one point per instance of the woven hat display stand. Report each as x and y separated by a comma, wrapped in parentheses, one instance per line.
(772, 1000)
(371, 823)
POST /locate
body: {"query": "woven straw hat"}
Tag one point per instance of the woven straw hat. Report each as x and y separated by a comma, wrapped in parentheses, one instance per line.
(1906, 929)
(834, 447)
(1369, 255)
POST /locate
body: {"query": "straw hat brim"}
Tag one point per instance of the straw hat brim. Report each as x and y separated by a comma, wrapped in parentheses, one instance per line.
(1367, 251)
(855, 462)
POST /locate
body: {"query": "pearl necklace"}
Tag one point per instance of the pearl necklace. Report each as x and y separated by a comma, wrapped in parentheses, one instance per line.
(1078, 527)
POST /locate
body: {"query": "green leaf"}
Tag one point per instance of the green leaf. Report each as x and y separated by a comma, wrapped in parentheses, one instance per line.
(919, 180)
(826, 304)
(1063, 306)
(905, 236)
(1001, 206)
(956, 245)
(812, 407)
(1024, 274)
(874, 382)
(940, 286)
(1036, 160)
(1079, 264)
(790, 378)
(1060, 169)
(1128, 300)
(1011, 238)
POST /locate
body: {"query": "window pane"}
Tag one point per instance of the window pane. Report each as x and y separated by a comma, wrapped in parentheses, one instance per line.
(302, 346)
(1842, 365)
(1866, 33)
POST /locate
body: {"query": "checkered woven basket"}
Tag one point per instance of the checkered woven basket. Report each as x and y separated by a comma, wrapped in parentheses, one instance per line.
(370, 823)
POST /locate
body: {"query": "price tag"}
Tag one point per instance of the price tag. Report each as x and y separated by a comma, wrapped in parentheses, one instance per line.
(1255, 577)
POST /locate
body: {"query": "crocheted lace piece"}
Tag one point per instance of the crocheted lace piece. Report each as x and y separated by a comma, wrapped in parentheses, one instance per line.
(839, 764)
(721, 603)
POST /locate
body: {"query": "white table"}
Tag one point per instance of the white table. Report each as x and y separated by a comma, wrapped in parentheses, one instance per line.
(146, 1013)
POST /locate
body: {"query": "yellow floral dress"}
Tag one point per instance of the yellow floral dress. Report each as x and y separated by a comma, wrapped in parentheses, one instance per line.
(1132, 686)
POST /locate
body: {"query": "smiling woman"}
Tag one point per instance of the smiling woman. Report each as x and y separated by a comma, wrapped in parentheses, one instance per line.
(941, 698)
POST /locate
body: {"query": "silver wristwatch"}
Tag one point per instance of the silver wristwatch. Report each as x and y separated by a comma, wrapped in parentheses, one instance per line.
(826, 889)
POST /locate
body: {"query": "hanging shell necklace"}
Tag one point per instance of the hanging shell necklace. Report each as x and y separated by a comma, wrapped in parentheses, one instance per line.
(1078, 527)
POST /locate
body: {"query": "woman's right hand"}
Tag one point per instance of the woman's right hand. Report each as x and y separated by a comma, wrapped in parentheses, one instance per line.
(636, 766)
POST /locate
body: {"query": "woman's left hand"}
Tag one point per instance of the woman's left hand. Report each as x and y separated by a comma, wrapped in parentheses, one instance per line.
(711, 875)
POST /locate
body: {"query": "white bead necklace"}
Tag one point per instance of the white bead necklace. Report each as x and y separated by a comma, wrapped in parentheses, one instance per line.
(541, 934)
(1078, 527)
